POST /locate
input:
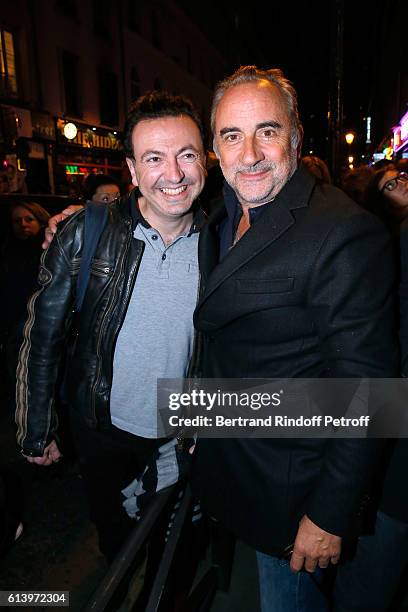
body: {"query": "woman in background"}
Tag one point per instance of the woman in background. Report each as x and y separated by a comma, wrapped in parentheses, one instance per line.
(20, 257)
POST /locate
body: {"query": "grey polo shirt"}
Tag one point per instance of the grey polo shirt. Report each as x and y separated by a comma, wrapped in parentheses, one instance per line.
(156, 338)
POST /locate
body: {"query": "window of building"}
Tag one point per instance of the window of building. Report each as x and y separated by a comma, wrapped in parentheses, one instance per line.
(108, 98)
(8, 83)
(70, 75)
(134, 84)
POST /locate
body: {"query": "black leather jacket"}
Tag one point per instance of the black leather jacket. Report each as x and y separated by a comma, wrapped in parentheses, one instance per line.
(50, 313)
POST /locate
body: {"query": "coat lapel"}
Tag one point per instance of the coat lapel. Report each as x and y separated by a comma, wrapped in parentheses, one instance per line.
(275, 221)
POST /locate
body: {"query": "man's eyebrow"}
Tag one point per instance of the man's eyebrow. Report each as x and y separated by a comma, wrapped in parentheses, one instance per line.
(266, 124)
(226, 130)
(259, 126)
(151, 152)
(188, 147)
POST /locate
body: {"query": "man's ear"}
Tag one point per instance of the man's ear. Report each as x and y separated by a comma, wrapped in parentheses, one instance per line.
(131, 165)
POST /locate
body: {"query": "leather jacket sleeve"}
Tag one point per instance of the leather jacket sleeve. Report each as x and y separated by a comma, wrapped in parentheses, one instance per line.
(49, 313)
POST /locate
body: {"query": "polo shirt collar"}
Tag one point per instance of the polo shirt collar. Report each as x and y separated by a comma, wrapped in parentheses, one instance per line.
(137, 217)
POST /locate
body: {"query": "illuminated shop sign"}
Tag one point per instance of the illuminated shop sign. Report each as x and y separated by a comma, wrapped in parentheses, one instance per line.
(71, 169)
(401, 133)
(90, 137)
(82, 170)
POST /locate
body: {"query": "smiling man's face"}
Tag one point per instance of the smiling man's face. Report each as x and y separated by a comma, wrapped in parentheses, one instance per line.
(168, 165)
(253, 141)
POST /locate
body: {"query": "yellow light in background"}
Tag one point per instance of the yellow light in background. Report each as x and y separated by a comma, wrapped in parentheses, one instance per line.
(351, 159)
(349, 138)
(70, 131)
(388, 151)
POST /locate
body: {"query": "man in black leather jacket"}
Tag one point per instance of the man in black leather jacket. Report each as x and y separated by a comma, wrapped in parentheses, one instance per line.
(135, 324)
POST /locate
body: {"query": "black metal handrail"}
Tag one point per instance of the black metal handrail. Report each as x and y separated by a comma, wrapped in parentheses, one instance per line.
(125, 557)
(200, 597)
(169, 552)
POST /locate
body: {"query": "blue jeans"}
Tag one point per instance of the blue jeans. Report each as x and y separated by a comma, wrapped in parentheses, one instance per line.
(283, 591)
(369, 581)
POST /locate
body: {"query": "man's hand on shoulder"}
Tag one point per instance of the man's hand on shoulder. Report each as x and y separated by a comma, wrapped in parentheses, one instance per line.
(51, 455)
(314, 547)
(51, 229)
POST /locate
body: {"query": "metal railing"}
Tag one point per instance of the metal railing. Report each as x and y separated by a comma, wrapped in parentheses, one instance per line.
(125, 557)
(197, 599)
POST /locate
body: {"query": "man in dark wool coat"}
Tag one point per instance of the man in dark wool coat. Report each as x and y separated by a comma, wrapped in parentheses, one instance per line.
(298, 283)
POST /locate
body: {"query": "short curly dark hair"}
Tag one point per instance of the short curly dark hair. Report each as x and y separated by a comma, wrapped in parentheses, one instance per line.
(155, 105)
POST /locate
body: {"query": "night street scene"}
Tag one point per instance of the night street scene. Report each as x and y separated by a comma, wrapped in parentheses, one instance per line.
(201, 192)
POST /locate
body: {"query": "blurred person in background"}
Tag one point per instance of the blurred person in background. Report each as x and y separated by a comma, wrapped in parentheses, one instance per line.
(402, 164)
(101, 188)
(96, 188)
(20, 256)
(15, 179)
(393, 185)
(318, 168)
(354, 182)
(387, 196)
(370, 580)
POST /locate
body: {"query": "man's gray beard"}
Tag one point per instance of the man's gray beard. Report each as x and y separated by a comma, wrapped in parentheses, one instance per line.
(265, 166)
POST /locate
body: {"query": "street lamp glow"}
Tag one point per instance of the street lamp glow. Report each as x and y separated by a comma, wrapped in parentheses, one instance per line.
(351, 159)
(349, 138)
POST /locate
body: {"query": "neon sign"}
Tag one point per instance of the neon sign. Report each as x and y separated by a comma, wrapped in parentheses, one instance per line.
(401, 133)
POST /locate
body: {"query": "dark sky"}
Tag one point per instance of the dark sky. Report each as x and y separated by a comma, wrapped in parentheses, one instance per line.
(298, 38)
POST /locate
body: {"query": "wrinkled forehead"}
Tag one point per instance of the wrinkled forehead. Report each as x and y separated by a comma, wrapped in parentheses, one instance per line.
(166, 133)
(251, 102)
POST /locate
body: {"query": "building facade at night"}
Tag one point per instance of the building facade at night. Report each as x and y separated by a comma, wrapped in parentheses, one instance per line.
(66, 61)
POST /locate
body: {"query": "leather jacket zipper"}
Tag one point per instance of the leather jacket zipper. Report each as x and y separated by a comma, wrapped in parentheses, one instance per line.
(108, 311)
(132, 278)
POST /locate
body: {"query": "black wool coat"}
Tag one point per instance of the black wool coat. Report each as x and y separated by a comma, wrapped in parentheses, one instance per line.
(306, 292)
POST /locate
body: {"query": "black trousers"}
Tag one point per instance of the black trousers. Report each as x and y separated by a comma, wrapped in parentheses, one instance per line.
(110, 460)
